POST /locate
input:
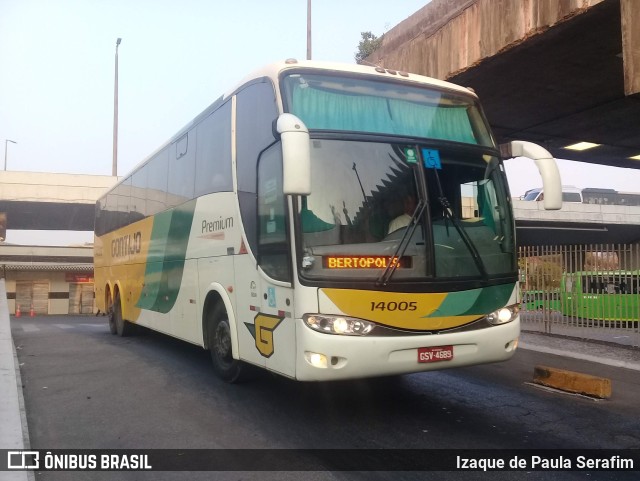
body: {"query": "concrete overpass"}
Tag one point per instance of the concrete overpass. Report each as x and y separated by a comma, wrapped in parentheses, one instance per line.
(48, 201)
(553, 72)
(576, 224)
(43, 201)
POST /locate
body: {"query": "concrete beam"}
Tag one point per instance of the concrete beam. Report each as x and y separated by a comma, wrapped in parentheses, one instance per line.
(56, 188)
(574, 212)
(447, 37)
(630, 20)
(573, 382)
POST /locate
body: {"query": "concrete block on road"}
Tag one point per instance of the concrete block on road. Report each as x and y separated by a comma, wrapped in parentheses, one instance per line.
(574, 382)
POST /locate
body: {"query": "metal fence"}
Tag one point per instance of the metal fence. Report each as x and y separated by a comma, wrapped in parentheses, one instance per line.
(587, 291)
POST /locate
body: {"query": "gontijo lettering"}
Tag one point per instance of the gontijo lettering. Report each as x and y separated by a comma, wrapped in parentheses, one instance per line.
(126, 245)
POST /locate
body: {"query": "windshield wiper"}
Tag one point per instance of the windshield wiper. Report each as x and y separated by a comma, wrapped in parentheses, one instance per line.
(446, 206)
(402, 245)
(420, 181)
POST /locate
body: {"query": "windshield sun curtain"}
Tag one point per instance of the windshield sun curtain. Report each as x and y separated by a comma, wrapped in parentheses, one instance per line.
(359, 105)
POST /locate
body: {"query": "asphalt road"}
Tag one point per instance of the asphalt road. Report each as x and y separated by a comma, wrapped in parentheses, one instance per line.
(85, 388)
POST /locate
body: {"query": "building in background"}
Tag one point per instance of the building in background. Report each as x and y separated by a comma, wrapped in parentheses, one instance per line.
(48, 280)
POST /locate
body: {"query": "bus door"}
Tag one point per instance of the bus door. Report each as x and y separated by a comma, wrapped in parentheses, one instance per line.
(273, 324)
(266, 330)
(248, 307)
(275, 328)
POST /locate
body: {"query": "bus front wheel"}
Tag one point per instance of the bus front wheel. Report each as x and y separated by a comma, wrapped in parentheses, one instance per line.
(219, 342)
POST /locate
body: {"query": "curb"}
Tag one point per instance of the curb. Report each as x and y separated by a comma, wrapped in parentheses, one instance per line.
(573, 382)
(614, 362)
(14, 434)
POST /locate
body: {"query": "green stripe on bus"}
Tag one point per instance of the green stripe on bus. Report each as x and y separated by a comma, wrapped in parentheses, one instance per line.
(474, 301)
(165, 260)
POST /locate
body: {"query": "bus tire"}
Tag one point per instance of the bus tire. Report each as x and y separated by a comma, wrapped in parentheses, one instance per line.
(112, 322)
(123, 328)
(219, 343)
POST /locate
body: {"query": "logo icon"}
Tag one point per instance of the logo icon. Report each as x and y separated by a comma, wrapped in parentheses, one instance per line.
(23, 460)
(262, 331)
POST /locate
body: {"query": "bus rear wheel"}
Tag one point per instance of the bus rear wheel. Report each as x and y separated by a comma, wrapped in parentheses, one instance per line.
(122, 327)
(112, 321)
(219, 342)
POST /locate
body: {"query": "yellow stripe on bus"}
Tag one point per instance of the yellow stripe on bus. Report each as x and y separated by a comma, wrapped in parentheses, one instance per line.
(396, 309)
(121, 256)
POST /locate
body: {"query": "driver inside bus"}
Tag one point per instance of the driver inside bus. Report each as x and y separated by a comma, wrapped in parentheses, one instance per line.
(409, 204)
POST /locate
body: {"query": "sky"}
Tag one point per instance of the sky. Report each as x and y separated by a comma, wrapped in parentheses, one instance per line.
(57, 60)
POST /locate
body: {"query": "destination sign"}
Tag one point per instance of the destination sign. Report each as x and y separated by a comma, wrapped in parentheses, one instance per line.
(364, 262)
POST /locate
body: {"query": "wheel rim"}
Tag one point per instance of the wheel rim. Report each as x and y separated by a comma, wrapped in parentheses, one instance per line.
(222, 344)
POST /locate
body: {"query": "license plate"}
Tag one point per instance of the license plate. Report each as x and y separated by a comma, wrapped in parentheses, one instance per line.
(435, 354)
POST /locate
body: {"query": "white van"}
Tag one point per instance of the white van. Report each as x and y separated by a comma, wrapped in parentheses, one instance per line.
(569, 194)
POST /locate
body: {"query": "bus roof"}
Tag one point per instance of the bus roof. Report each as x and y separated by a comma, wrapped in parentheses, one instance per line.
(273, 71)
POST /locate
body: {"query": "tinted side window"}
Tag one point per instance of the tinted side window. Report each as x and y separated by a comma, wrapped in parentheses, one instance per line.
(110, 211)
(182, 169)
(100, 227)
(124, 200)
(139, 194)
(256, 111)
(272, 226)
(157, 171)
(213, 154)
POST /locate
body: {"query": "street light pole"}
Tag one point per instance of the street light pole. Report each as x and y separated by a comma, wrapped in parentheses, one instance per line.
(308, 29)
(114, 167)
(6, 141)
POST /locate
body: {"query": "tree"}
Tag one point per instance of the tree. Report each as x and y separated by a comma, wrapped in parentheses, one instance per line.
(541, 272)
(601, 261)
(369, 44)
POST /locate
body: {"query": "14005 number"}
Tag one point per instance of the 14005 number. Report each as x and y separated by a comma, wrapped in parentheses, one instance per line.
(394, 306)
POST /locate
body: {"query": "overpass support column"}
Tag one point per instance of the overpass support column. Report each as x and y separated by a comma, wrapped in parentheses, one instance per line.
(630, 23)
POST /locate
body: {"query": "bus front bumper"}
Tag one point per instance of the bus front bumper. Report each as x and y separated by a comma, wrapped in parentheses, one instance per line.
(325, 357)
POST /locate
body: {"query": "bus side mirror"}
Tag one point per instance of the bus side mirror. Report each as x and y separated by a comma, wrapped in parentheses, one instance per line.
(296, 155)
(551, 183)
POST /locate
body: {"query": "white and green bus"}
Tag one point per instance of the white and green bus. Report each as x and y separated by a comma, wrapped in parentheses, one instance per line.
(261, 231)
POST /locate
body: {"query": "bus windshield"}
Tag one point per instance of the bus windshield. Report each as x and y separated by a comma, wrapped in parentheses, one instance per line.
(355, 104)
(365, 195)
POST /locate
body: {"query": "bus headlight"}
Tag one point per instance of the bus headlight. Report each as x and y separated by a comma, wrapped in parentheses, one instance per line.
(348, 326)
(504, 315)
